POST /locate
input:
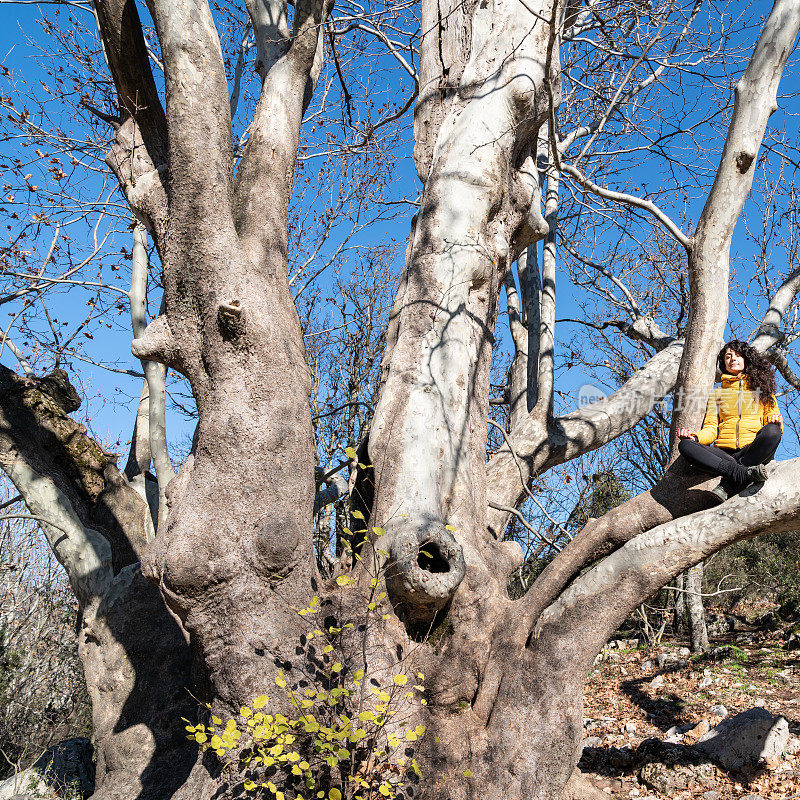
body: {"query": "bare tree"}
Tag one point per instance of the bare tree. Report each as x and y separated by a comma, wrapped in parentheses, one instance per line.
(211, 602)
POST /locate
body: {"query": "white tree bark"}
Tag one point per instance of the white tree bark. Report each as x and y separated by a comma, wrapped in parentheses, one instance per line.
(155, 375)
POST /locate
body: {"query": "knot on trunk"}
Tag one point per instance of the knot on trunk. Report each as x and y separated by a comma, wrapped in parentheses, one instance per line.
(157, 344)
(231, 319)
(57, 386)
(426, 566)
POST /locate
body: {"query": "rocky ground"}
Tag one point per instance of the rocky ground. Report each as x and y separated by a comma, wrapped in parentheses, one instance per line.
(647, 710)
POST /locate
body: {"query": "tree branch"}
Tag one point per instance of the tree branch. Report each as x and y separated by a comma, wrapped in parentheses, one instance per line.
(541, 447)
(291, 68)
(198, 115)
(41, 443)
(631, 200)
(647, 562)
(769, 332)
(709, 257)
(155, 375)
(83, 552)
(139, 152)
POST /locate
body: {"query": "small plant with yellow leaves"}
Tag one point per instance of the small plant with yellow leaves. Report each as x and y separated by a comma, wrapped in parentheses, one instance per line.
(334, 733)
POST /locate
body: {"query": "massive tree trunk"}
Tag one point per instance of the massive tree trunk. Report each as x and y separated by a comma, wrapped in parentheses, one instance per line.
(233, 556)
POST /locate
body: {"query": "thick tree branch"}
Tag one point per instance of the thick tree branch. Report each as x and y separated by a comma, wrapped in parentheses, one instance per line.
(270, 22)
(155, 374)
(84, 553)
(518, 371)
(291, 68)
(198, 114)
(337, 487)
(541, 447)
(636, 570)
(769, 332)
(139, 152)
(709, 258)
(547, 310)
(44, 446)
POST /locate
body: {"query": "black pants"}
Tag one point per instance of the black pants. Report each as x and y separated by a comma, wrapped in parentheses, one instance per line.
(729, 463)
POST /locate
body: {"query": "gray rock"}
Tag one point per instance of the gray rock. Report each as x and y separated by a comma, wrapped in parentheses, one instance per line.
(28, 781)
(657, 682)
(647, 665)
(719, 710)
(60, 768)
(668, 775)
(630, 728)
(792, 746)
(712, 795)
(752, 797)
(671, 767)
(720, 652)
(746, 738)
(661, 660)
(684, 652)
(592, 741)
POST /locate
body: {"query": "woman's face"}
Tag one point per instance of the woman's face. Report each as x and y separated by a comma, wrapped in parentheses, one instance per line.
(734, 363)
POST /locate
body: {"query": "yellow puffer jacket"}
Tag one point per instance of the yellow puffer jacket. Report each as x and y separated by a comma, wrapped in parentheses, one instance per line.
(734, 414)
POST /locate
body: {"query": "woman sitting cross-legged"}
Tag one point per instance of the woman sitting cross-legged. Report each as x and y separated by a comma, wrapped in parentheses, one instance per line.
(742, 421)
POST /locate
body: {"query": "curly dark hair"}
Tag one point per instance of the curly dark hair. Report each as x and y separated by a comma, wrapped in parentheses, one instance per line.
(759, 372)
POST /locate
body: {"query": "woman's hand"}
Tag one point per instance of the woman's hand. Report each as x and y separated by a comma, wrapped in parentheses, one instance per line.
(685, 433)
(775, 416)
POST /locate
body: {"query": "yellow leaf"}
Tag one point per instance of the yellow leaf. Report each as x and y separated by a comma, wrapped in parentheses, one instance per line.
(467, 773)
(401, 680)
(280, 680)
(350, 453)
(357, 514)
(245, 712)
(337, 667)
(260, 702)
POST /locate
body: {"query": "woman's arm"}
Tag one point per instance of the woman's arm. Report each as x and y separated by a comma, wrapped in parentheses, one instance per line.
(708, 433)
(771, 413)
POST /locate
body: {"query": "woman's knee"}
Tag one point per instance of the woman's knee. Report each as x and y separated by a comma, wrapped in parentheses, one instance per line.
(685, 446)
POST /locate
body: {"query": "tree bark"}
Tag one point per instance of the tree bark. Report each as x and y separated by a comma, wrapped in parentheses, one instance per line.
(698, 634)
(136, 655)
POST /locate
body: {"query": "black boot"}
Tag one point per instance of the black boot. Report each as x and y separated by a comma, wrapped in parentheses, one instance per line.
(756, 474)
(724, 490)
